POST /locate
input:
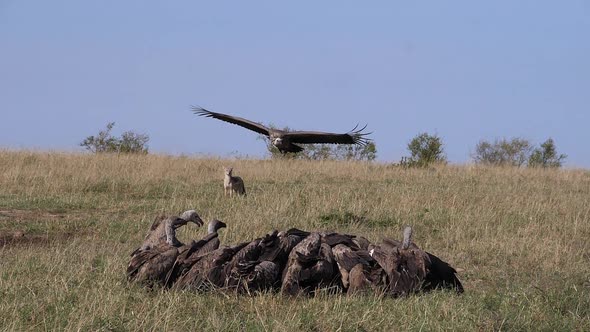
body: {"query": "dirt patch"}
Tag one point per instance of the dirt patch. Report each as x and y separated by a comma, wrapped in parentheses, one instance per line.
(18, 238)
(20, 215)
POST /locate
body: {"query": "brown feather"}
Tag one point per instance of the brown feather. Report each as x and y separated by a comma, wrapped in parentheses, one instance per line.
(254, 126)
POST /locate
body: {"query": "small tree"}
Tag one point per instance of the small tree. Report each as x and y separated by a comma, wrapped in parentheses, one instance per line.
(103, 142)
(129, 142)
(546, 156)
(425, 149)
(513, 152)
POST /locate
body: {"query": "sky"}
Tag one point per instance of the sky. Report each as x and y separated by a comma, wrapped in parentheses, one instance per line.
(463, 70)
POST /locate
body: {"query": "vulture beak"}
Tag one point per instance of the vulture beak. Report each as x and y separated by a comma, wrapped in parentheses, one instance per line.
(198, 221)
(222, 224)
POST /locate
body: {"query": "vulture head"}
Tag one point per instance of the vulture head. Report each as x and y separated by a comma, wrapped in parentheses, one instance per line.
(215, 225)
(192, 216)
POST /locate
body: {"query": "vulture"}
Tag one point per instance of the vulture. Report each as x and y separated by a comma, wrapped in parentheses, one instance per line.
(310, 266)
(208, 270)
(284, 140)
(278, 252)
(409, 269)
(249, 271)
(189, 254)
(153, 260)
(258, 276)
(164, 228)
(358, 270)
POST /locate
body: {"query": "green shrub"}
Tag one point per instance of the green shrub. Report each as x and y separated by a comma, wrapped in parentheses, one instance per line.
(513, 152)
(425, 149)
(129, 142)
(546, 156)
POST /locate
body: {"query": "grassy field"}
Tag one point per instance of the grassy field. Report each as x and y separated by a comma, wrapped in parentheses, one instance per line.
(68, 223)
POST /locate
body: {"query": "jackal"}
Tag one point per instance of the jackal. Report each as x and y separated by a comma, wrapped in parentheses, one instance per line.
(233, 184)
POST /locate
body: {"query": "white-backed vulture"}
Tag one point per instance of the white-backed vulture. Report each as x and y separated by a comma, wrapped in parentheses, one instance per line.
(208, 271)
(439, 274)
(284, 140)
(278, 252)
(248, 271)
(310, 266)
(257, 276)
(154, 259)
(163, 229)
(410, 269)
(189, 254)
(356, 268)
(405, 267)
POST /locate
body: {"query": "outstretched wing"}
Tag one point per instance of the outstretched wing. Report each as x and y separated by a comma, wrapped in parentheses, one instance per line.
(254, 126)
(317, 137)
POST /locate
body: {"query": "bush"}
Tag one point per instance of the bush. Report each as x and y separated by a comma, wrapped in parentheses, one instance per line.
(517, 152)
(129, 142)
(546, 156)
(425, 149)
(513, 152)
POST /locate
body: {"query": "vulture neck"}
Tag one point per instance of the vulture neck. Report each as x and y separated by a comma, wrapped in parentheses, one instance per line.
(212, 228)
(407, 237)
(170, 229)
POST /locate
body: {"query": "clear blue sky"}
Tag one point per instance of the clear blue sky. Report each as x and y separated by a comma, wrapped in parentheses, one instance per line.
(466, 70)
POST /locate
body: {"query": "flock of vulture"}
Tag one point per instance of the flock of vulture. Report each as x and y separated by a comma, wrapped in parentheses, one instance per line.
(293, 262)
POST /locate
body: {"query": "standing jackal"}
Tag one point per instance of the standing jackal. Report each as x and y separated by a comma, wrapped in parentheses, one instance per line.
(233, 184)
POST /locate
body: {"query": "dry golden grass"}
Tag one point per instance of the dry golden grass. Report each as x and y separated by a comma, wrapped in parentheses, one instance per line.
(520, 235)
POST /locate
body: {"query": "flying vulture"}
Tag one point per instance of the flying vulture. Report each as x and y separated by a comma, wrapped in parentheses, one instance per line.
(285, 140)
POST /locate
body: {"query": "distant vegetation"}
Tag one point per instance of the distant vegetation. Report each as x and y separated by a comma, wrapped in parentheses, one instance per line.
(425, 149)
(546, 155)
(129, 142)
(517, 152)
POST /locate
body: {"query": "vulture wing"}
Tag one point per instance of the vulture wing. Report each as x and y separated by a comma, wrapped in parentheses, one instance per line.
(254, 126)
(190, 255)
(347, 258)
(317, 137)
(152, 264)
(157, 221)
(211, 242)
(441, 274)
(249, 253)
(333, 239)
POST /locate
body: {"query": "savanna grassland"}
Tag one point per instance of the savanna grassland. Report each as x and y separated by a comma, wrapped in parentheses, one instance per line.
(68, 222)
